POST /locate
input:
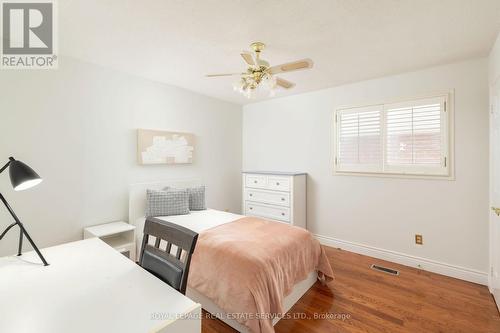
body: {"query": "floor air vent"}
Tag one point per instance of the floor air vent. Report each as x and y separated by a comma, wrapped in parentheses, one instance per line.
(384, 269)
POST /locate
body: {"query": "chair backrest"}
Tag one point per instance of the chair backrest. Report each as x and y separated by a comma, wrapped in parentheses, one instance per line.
(170, 256)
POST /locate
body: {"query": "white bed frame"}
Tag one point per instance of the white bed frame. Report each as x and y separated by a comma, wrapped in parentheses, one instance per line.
(137, 207)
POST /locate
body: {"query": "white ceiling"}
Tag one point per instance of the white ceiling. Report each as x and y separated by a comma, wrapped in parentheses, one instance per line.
(178, 42)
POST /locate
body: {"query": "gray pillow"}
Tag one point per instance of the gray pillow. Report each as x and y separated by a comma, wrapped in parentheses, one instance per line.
(165, 203)
(196, 197)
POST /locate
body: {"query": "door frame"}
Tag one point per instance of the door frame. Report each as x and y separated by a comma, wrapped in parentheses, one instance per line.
(490, 187)
(494, 227)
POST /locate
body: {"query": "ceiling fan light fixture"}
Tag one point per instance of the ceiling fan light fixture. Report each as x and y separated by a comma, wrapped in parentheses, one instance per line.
(259, 79)
(248, 92)
(269, 81)
(250, 88)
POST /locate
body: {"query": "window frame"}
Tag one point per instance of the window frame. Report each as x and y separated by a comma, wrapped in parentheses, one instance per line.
(447, 135)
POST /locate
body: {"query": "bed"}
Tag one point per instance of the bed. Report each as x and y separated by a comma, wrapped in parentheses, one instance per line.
(204, 222)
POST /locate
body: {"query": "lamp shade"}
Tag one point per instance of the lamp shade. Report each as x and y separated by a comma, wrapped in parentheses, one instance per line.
(22, 176)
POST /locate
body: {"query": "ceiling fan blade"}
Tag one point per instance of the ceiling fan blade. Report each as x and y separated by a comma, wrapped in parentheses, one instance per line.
(228, 74)
(291, 66)
(284, 83)
(247, 56)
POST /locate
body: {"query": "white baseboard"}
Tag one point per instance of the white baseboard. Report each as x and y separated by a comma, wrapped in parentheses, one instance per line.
(458, 272)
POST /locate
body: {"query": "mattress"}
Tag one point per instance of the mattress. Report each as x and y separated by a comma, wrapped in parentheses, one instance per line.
(197, 221)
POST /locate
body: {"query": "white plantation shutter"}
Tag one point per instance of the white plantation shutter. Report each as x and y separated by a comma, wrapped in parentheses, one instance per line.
(359, 140)
(348, 142)
(400, 138)
(415, 140)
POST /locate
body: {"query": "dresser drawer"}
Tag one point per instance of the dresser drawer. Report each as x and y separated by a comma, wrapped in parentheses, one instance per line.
(269, 197)
(256, 181)
(267, 211)
(278, 183)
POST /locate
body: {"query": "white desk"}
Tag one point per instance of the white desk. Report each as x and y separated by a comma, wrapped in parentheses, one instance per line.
(88, 287)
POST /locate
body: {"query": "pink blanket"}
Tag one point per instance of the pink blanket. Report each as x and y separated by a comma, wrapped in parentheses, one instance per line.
(248, 266)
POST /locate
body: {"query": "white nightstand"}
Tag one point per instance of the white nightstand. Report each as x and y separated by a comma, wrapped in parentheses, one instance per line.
(119, 235)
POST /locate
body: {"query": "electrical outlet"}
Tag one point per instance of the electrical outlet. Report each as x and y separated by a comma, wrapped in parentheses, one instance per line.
(419, 240)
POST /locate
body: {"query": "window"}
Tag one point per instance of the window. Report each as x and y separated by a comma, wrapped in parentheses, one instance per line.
(399, 138)
(360, 139)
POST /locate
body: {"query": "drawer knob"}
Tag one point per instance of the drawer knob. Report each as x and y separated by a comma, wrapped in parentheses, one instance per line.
(251, 208)
(255, 182)
(251, 194)
(278, 184)
(282, 199)
(283, 214)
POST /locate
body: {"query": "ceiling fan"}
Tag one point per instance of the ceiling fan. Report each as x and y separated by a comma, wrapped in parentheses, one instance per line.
(261, 74)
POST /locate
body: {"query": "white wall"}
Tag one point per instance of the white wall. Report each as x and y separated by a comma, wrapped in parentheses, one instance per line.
(295, 133)
(76, 127)
(494, 61)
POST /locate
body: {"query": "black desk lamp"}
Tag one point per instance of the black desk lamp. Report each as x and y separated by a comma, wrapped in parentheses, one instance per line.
(22, 177)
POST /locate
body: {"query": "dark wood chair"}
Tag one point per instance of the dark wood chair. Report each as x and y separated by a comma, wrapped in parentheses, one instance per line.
(170, 268)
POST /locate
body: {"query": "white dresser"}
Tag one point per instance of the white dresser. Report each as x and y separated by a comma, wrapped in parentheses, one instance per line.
(279, 196)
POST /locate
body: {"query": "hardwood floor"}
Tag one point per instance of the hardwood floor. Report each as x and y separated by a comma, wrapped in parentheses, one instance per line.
(414, 301)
